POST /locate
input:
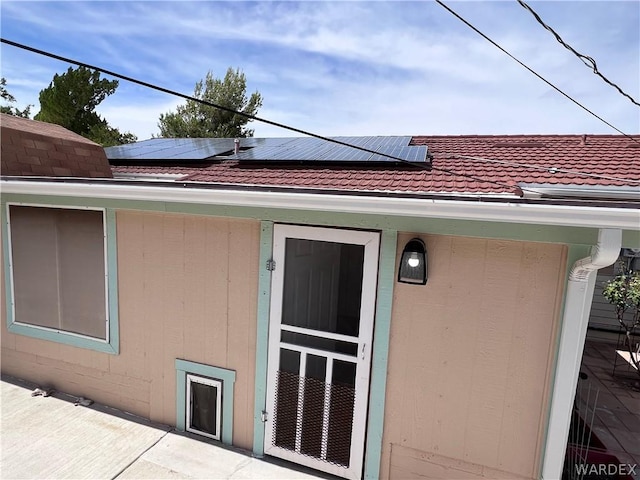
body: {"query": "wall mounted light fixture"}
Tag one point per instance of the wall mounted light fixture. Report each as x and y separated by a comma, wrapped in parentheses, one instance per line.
(413, 263)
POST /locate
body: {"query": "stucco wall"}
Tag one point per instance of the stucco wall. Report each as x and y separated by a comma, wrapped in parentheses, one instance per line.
(187, 289)
(469, 360)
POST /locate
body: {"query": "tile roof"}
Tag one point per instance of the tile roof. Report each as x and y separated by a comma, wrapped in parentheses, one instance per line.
(500, 163)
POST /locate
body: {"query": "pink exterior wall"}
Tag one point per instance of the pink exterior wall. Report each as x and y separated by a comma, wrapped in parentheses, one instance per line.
(469, 360)
(187, 289)
(470, 352)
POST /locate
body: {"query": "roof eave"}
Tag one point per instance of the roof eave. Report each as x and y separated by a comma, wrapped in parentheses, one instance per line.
(496, 211)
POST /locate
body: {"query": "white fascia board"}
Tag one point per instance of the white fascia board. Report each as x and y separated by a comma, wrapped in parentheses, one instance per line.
(502, 211)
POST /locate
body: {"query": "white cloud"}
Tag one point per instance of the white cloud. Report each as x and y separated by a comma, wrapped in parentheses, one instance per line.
(142, 120)
(346, 67)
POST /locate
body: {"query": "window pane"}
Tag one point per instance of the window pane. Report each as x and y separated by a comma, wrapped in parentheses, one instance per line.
(35, 266)
(82, 274)
(58, 268)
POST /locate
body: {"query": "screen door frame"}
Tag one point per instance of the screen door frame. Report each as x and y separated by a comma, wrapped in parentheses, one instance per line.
(371, 243)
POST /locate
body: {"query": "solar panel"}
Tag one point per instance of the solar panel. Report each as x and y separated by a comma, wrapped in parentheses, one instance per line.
(310, 150)
(340, 153)
(375, 142)
(260, 153)
(171, 149)
(414, 154)
(266, 142)
(284, 149)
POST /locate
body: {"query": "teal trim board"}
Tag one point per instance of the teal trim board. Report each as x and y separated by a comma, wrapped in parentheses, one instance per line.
(112, 268)
(228, 378)
(262, 336)
(378, 386)
(6, 265)
(112, 345)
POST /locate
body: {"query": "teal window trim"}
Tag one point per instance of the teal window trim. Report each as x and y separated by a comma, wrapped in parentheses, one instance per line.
(227, 377)
(112, 344)
(262, 336)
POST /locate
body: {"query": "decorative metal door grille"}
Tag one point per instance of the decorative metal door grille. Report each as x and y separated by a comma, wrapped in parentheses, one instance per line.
(319, 426)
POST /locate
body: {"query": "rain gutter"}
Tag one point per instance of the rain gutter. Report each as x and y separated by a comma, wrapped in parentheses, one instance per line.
(503, 210)
(577, 307)
(540, 190)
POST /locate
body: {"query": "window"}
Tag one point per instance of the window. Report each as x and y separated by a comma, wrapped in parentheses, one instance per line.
(203, 412)
(204, 400)
(59, 276)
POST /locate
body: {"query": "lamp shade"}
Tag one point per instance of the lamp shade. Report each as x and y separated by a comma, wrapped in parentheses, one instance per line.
(413, 263)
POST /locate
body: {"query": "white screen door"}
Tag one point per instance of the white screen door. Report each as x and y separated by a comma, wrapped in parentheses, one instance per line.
(320, 332)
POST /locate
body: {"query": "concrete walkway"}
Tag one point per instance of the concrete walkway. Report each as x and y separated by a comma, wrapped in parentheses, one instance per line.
(49, 437)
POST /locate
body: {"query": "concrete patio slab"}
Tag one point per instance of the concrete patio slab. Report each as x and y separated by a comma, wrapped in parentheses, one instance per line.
(49, 437)
(177, 456)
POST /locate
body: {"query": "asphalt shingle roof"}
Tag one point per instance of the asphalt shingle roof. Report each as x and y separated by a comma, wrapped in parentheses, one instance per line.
(32, 148)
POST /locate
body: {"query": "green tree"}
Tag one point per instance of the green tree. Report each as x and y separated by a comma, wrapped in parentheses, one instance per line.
(7, 97)
(623, 292)
(108, 136)
(70, 100)
(195, 120)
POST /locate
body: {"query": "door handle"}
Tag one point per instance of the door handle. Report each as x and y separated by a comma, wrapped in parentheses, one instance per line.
(362, 352)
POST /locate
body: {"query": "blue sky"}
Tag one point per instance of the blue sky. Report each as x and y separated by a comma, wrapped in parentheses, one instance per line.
(344, 68)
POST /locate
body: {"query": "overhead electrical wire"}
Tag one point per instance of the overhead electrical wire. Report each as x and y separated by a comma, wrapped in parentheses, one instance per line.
(452, 12)
(586, 59)
(251, 117)
(189, 97)
(519, 191)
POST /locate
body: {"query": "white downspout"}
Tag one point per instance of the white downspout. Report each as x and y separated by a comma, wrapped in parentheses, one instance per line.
(580, 286)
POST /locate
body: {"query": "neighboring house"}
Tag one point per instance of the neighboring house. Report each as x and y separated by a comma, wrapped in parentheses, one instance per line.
(254, 297)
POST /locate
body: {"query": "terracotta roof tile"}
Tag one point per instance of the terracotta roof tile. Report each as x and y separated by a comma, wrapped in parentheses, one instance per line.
(461, 164)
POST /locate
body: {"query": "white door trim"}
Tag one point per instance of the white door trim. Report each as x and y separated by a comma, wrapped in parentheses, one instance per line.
(371, 243)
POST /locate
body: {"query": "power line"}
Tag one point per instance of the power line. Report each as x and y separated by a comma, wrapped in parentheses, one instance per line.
(328, 139)
(586, 59)
(251, 117)
(439, 2)
(188, 97)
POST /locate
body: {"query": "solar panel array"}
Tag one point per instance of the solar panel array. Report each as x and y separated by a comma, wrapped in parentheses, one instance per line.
(287, 149)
